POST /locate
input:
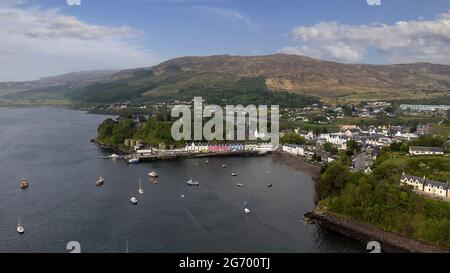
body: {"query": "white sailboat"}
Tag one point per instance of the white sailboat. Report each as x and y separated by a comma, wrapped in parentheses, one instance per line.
(246, 210)
(20, 228)
(141, 190)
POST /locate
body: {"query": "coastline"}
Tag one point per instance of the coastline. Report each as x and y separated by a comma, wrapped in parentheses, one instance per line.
(363, 232)
(299, 164)
(390, 242)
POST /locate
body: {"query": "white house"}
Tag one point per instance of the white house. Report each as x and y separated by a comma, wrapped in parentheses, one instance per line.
(438, 188)
(414, 181)
(294, 149)
(421, 150)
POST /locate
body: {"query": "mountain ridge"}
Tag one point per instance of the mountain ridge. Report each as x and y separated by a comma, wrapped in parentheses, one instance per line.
(279, 72)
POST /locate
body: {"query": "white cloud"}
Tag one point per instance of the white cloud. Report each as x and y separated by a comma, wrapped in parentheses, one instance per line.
(404, 41)
(231, 14)
(38, 42)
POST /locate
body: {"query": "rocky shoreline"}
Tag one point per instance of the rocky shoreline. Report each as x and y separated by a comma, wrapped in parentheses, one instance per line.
(363, 232)
(389, 242)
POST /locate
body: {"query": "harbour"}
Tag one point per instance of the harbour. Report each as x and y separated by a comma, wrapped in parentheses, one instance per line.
(63, 203)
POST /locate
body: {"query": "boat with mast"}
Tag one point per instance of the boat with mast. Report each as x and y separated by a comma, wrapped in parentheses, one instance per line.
(20, 228)
(141, 190)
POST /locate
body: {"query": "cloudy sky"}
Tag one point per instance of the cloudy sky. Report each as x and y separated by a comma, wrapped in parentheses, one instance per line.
(49, 37)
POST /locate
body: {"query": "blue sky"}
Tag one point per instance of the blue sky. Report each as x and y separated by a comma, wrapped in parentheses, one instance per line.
(150, 31)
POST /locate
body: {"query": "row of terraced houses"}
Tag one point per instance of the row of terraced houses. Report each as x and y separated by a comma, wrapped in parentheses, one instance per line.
(423, 184)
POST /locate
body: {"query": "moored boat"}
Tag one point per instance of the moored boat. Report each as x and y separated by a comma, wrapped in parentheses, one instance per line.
(153, 174)
(134, 160)
(190, 182)
(141, 190)
(224, 166)
(234, 174)
(24, 184)
(20, 228)
(99, 181)
(239, 184)
(134, 200)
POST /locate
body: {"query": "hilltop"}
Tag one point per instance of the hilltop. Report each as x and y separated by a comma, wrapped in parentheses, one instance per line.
(225, 77)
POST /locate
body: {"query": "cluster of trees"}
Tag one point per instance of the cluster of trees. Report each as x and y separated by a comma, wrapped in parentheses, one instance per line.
(292, 138)
(245, 91)
(151, 132)
(378, 198)
(428, 140)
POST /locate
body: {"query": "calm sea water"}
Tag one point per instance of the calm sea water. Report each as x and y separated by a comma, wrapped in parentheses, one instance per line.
(51, 148)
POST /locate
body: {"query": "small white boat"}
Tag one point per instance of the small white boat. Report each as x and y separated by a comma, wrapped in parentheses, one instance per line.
(190, 182)
(239, 184)
(224, 166)
(114, 156)
(20, 228)
(141, 190)
(182, 195)
(234, 174)
(134, 200)
(247, 211)
(207, 162)
(134, 160)
(153, 174)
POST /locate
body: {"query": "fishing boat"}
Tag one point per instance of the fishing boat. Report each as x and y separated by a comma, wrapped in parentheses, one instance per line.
(141, 190)
(134, 160)
(191, 183)
(134, 200)
(153, 174)
(24, 184)
(234, 174)
(99, 181)
(20, 228)
(239, 184)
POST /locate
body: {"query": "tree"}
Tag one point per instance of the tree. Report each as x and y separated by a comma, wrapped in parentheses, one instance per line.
(332, 180)
(428, 140)
(352, 147)
(291, 138)
(330, 148)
